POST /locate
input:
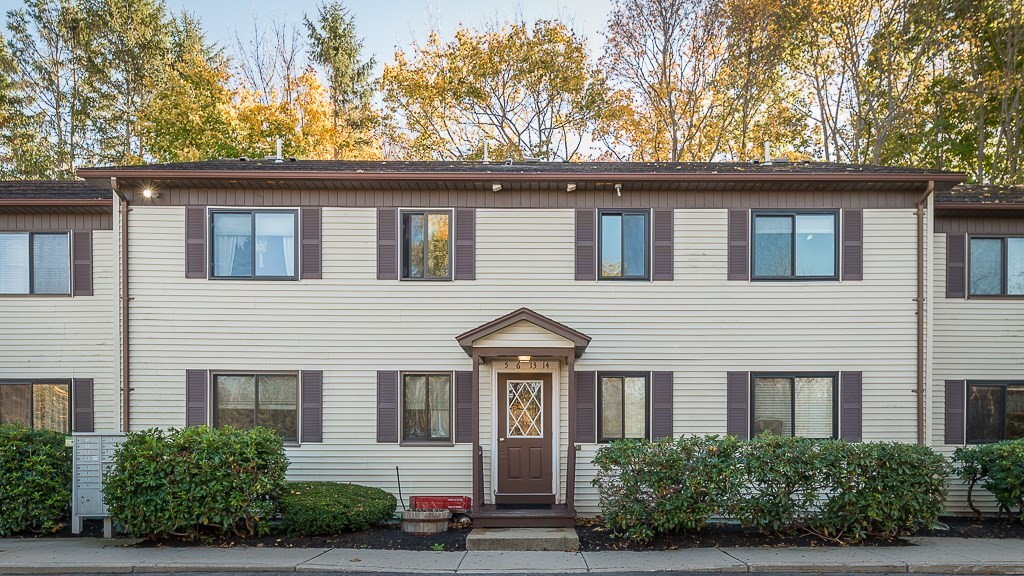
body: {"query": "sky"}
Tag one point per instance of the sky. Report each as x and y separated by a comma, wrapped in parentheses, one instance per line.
(389, 24)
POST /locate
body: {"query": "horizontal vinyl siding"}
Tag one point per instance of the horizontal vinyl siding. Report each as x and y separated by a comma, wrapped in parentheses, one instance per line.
(975, 339)
(68, 337)
(350, 325)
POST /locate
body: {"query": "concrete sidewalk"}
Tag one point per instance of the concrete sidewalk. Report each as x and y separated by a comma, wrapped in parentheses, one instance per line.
(928, 555)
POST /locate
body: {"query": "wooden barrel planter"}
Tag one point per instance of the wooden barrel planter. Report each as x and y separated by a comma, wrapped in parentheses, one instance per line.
(423, 522)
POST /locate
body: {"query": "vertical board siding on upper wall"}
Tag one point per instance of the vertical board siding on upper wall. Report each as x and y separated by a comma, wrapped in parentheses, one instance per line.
(698, 326)
(65, 338)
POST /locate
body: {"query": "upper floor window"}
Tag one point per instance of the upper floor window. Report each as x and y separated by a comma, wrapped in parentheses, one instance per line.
(623, 406)
(426, 245)
(624, 245)
(35, 263)
(36, 405)
(246, 400)
(995, 411)
(794, 405)
(997, 267)
(794, 245)
(426, 407)
(255, 244)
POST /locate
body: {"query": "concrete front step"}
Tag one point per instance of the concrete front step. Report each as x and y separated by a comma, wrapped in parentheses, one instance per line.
(523, 539)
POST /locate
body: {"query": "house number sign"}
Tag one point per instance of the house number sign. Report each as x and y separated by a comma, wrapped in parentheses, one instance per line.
(532, 365)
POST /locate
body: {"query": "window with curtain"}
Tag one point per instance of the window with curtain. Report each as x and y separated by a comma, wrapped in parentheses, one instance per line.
(426, 247)
(246, 400)
(996, 267)
(426, 407)
(40, 405)
(995, 411)
(624, 245)
(623, 409)
(35, 263)
(794, 405)
(796, 245)
(258, 244)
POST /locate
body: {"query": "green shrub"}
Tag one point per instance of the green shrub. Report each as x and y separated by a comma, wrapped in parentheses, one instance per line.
(880, 490)
(999, 468)
(779, 485)
(35, 480)
(328, 508)
(187, 481)
(650, 488)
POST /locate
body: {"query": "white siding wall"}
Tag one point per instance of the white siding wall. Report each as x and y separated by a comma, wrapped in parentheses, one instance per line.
(350, 325)
(975, 339)
(62, 337)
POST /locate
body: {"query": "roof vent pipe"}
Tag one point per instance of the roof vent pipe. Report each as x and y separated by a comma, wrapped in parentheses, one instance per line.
(767, 153)
(487, 159)
(278, 159)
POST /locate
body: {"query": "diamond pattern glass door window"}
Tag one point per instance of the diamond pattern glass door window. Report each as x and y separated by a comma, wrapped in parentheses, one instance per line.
(525, 409)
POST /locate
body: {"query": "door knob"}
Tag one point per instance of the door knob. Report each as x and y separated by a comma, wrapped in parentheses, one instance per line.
(501, 439)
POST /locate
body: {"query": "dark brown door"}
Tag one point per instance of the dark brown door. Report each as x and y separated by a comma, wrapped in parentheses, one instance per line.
(524, 438)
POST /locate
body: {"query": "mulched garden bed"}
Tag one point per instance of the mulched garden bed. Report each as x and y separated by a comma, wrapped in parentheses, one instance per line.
(594, 536)
(388, 537)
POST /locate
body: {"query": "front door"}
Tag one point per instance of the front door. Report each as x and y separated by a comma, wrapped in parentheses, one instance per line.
(525, 441)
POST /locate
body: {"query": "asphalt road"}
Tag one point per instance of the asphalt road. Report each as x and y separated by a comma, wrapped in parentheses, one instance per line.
(319, 573)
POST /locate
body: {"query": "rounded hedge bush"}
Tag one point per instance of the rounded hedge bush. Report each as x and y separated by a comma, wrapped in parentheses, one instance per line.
(187, 481)
(35, 480)
(328, 508)
(778, 484)
(999, 468)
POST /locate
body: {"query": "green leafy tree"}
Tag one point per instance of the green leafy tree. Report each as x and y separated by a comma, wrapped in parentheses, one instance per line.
(335, 46)
(189, 116)
(133, 37)
(529, 91)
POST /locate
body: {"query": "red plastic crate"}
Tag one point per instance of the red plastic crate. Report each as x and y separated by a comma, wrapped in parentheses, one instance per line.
(451, 503)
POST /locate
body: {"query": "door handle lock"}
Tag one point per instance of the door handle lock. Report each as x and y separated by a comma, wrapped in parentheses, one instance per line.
(501, 439)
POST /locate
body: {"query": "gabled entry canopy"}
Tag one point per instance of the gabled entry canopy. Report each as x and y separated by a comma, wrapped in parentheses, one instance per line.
(468, 340)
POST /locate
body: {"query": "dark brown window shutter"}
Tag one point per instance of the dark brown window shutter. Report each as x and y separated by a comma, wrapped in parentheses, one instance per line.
(387, 406)
(956, 265)
(737, 404)
(387, 244)
(195, 242)
(661, 405)
(464, 410)
(82, 262)
(312, 406)
(586, 254)
(197, 393)
(312, 243)
(851, 406)
(465, 244)
(739, 265)
(82, 405)
(663, 250)
(586, 407)
(853, 244)
(956, 396)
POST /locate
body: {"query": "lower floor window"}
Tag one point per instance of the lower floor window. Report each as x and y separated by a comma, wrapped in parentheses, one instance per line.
(246, 400)
(995, 411)
(623, 406)
(426, 407)
(794, 405)
(45, 406)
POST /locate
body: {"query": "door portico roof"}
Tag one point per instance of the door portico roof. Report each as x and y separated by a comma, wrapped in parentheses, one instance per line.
(468, 339)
